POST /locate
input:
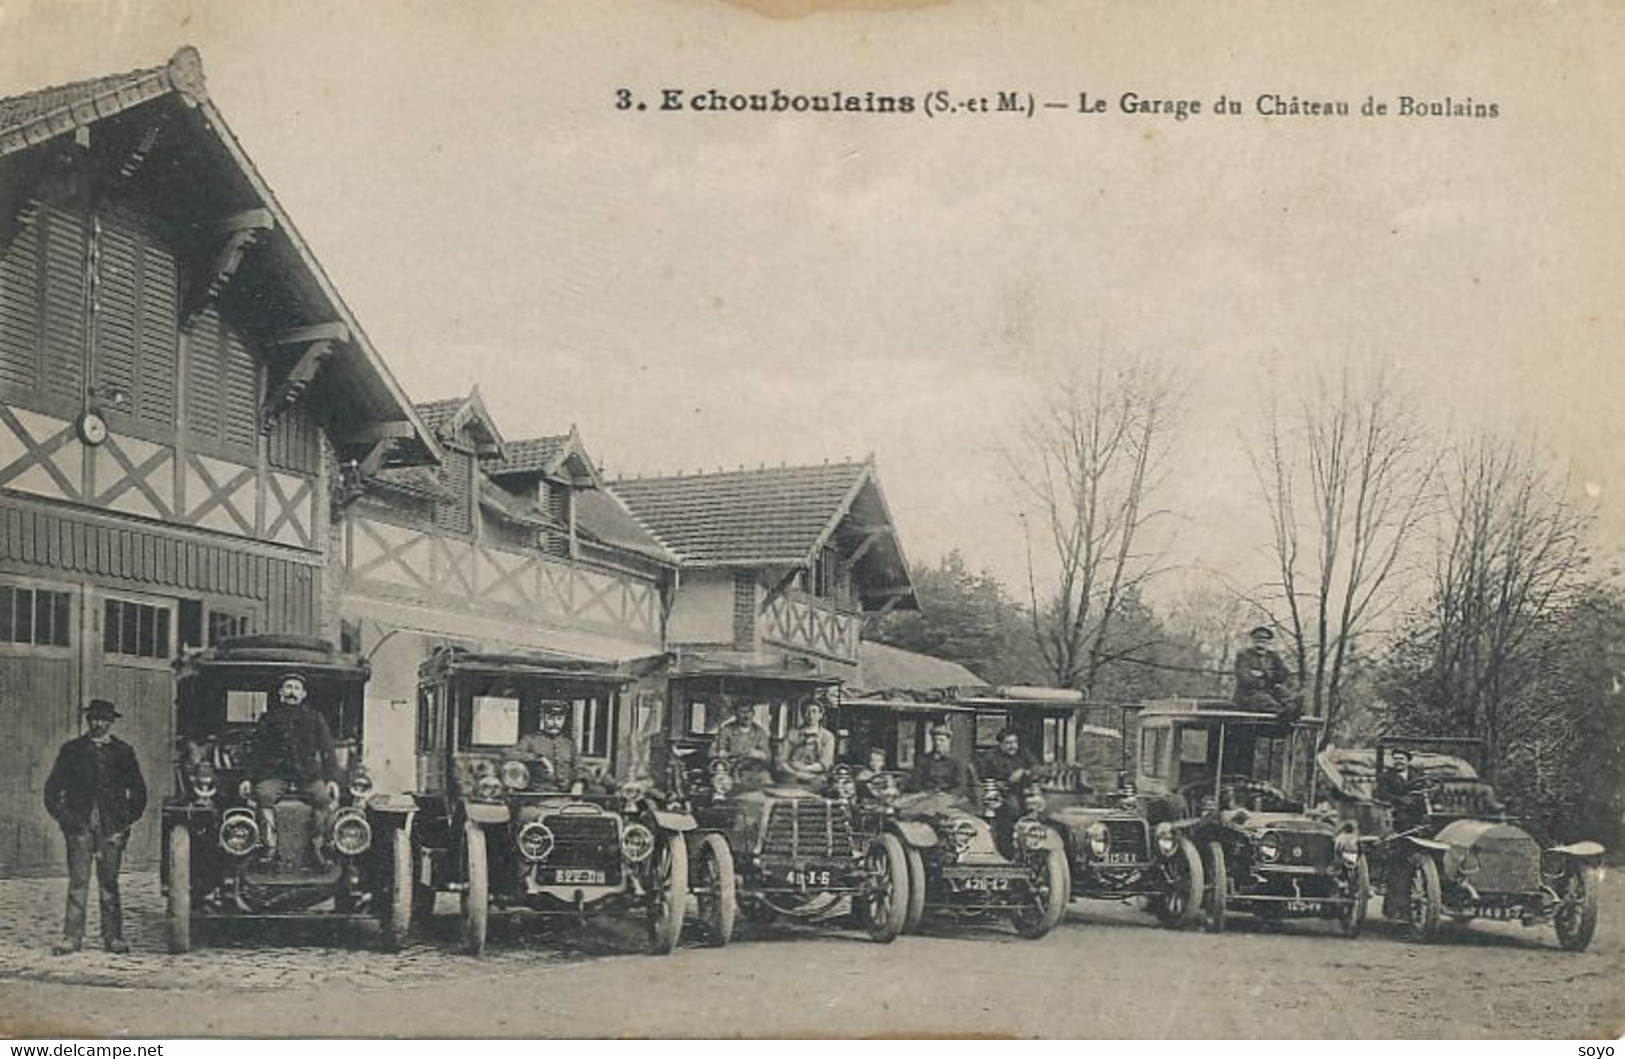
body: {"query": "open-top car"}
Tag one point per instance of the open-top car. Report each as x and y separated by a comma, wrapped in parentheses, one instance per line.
(224, 856)
(1236, 783)
(1442, 843)
(796, 851)
(965, 861)
(508, 817)
(1116, 852)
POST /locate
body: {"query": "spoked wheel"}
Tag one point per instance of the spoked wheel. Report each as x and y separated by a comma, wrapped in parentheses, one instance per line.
(915, 912)
(1576, 918)
(883, 907)
(668, 892)
(1216, 893)
(178, 914)
(396, 914)
(716, 888)
(1181, 903)
(1352, 918)
(477, 890)
(1423, 899)
(1051, 880)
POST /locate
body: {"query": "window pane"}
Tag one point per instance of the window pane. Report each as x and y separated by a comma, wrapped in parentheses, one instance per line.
(8, 600)
(130, 629)
(25, 616)
(496, 721)
(161, 640)
(111, 620)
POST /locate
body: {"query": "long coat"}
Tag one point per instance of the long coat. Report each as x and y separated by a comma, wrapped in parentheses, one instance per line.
(75, 784)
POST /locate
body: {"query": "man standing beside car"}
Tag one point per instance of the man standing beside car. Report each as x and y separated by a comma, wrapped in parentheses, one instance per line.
(95, 792)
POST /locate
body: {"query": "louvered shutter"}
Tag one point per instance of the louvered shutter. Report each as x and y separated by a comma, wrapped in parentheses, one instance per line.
(454, 514)
(204, 371)
(241, 425)
(19, 305)
(64, 346)
(135, 322)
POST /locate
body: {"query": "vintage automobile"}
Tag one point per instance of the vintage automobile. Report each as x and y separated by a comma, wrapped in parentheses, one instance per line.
(216, 862)
(1115, 852)
(964, 862)
(1443, 844)
(796, 852)
(505, 822)
(1235, 782)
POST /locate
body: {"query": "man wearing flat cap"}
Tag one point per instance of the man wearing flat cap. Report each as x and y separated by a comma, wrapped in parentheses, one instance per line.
(1262, 680)
(293, 747)
(95, 793)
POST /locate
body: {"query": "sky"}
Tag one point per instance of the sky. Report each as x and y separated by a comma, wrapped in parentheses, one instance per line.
(698, 290)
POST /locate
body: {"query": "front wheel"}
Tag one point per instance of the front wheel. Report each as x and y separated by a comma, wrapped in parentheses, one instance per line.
(717, 895)
(883, 908)
(397, 913)
(1576, 918)
(476, 890)
(1051, 880)
(1181, 902)
(1424, 898)
(1352, 918)
(178, 914)
(668, 892)
(915, 913)
(1217, 890)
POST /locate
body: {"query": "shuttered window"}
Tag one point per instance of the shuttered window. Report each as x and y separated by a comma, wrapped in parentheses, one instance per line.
(136, 326)
(454, 514)
(43, 308)
(19, 305)
(294, 444)
(63, 363)
(222, 386)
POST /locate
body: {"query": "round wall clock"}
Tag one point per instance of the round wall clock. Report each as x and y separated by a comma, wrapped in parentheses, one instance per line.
(91, 426)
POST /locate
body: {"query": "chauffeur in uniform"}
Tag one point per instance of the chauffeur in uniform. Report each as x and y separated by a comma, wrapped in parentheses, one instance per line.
(1262, 679)
(940, 771)
(294, 747)
(553, 743)
(95, 792)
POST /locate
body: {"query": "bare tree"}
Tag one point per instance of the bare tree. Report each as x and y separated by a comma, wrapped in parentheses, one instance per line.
(1090, 460)
(1510, 556)
(1210, 616)
(1345, 473)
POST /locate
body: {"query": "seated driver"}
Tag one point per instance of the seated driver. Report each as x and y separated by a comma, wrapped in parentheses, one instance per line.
(874, 765)
(293, 747)
(1403, 789)
(740, 737)
(553, 743)
(808, 753)
(938, 771)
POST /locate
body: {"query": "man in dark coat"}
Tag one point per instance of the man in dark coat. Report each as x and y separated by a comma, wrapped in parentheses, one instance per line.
(293, 746)
(1263, 683)
(553, 744)
(1008, 762)
(95, 793)
(940, 771)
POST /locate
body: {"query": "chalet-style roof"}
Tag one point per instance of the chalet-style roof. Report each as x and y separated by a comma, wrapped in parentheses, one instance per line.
(562, 457)
(776, 517)
(169, 133)
(602, 518)
(452, 416)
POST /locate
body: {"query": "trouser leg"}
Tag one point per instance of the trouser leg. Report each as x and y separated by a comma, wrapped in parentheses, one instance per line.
(322, 816)
(266, 794)
(80, 853)
(109, 858)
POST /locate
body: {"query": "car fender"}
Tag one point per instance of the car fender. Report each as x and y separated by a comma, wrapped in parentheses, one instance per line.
(1416, 842)
(1579, 850)
(672, 820)
(486, 813)
(915, 833)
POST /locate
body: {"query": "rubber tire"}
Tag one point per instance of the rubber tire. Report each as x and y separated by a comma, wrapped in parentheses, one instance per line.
(886, 856)
(1577, 938)
(1049, 916)
(914, 915)
(1351, 919)
(178, 912)
(724, 912)
(1427, 928)
(1216, 890)
(666, 910)
(1168, 910)
(477, 891)
(396, 917)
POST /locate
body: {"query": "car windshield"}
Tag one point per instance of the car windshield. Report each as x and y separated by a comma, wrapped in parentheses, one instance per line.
(1260, 752)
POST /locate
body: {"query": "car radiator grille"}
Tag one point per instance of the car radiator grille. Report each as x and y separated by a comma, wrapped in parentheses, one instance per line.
(583, 841)
(1304, 850)
(1505, 865)
(1126, 836)
(808, 828)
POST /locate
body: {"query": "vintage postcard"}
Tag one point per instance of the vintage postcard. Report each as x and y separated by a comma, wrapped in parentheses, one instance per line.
(783, 518)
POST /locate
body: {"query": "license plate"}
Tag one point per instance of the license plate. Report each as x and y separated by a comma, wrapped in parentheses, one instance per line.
(1303, 906)
(806, 879)
(997, 882)
(1122, 858)
(578, 875)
